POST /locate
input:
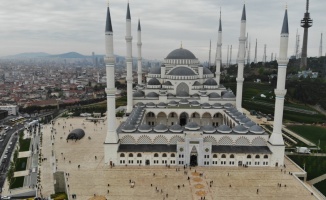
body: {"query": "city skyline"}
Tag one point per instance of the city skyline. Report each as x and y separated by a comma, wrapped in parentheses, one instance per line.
(60, 26)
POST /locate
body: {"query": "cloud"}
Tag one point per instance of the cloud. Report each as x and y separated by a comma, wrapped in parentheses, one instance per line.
(60, 26)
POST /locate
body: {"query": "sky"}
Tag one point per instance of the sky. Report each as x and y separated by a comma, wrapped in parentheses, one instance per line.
(59, 26)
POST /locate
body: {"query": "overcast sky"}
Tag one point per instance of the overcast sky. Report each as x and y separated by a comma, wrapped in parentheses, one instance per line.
(59, 26)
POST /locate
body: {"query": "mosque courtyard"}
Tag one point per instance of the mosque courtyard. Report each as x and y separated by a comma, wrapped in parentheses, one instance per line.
(94, 178)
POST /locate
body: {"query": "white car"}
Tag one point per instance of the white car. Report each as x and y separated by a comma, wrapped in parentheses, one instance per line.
(5, 156)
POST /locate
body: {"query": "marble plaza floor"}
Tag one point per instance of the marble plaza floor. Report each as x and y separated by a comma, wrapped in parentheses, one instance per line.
(93, 177)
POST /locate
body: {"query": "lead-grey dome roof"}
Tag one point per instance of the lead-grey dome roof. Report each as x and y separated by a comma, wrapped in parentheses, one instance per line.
(183, 94)
(161, 104)
(240, 129)
(206, 71)
(214, 95)
(217, 105)
(249, 124)
(161, 128)
(176, 128)
(224, 129)
(209, 129)
(206, 105)
(182, 71)
(154, 81)
(181, 54)
(227, 105)
(228, 95)
(210, 82)
(257, 129)
(167, 83)
(128, 128)
(173, 103)
(152, 94)
(196, 83)
(145, 128)
(192, 126)
(195, 103)
(155, 70)
(138, 94)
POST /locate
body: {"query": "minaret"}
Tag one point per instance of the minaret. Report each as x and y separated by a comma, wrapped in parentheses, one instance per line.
(246, 49)
(255, 60)
(230, 62)
(111, 140)
(241, 59)
(276, 139)
(209, 54)
(129, 78)
(227, 57)
(248, 56)
(306, 23)
(219, 52)
(265, 55)
(321, 46)
(139, 44)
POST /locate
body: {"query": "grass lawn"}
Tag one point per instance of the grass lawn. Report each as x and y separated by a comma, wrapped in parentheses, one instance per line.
(315, 165)
(18, 182)
(24, 144)
(21, 164)
(321, 186)
(122, 101)
(312, 133)
(59, 196)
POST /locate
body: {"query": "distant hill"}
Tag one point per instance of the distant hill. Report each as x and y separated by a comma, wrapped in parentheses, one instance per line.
(69, 55)
(30, 55)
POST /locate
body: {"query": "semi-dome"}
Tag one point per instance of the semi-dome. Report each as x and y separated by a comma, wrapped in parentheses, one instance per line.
(152, 94)
(210, 82)
(192, 126)
(214, 95)
(240, 129)
(144, 128)
(207, 71)
(181, 54)
(176, 128)
(224, 129)
(153, 81)
(155, 70)
(138, 93)
(256, 129)
(182, 71)
(161, 128)
(209, 129)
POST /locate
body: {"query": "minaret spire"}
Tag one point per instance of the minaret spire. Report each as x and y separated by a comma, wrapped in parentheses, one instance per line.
(219, 51)
(241, 59)
(139, 45)
(276, 140)
(129, 78)
(111, 141)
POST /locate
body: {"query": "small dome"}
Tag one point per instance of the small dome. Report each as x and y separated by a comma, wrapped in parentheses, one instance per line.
(214, 95)
(161, 128)
(195, 103)
(140, 104)
(128, 128)
(181, 54)
(167, 83)
(228, 95)
(170, 95)
(182, 71)
(161, 105)
(155, 70)
(153, 81)
(196, 83)
(192, 126)
(206, 71)
(144, 128)
(195, 95)
(176, 128)
(152, 94)
(224, 129)
(183, 94)
(240, 117)
(240, 129)
(227, 105)
(138, 93)
(210, 82)
(173, 103)
(206, 105)
(217, 105)
(249, 124)
(244, 120)
(257, 129)
(209, 129)
(184, 101)
(236, 113)
(150, 105)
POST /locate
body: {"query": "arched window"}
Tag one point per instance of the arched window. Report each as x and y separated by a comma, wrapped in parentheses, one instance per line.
(223, 156)
(122, 155)
(231, 156)
(155, 155)
(248, 156)
(131, 155)
(257, 156)
(172, 155)
(214, 156)
(139, 155)
(164, 155)
(266, 156)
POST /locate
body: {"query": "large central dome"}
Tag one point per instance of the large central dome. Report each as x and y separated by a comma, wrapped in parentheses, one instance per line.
(181, 54)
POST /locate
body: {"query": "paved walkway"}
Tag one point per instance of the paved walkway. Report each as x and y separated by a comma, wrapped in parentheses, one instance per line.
(317, 180)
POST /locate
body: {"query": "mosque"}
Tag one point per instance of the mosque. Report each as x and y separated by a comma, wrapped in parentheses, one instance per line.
(182, 115)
